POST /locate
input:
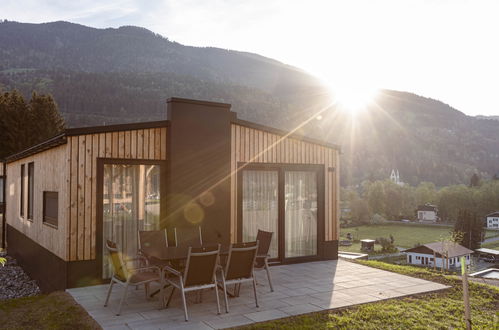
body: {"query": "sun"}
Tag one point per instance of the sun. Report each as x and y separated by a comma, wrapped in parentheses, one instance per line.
(353, 99)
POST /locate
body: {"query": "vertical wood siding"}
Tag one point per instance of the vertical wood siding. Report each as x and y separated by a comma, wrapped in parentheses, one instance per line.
(258, 146)
(51, 174)
(83, 151)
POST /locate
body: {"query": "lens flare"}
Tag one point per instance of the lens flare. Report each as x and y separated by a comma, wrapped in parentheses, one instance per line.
(354, 99)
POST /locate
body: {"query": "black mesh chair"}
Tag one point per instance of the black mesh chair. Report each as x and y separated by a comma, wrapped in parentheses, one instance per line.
(264, 239)
(199, 274)
(239, 268)
(188, 236)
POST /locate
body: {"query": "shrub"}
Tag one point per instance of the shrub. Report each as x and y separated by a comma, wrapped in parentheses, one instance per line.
(377, 219)
(386, 244)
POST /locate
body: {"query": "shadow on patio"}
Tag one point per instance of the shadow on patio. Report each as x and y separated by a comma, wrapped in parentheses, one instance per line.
(299, 289)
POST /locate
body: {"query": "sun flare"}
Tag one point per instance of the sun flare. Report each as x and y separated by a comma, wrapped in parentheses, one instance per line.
(354, 99)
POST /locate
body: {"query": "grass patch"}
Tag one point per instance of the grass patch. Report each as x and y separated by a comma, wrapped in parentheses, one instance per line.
(441, 310)
(491, 245)
(57, 310)
(405, 235)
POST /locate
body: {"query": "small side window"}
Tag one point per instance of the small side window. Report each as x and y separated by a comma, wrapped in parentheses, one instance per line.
(50, 208)
(31, 189)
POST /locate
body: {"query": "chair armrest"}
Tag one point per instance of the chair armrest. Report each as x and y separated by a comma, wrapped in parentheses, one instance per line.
(173, 271)
(133, 259)
(145, 268)
(263, 256)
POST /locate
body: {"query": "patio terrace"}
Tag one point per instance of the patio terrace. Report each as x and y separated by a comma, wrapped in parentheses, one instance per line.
(299, 289)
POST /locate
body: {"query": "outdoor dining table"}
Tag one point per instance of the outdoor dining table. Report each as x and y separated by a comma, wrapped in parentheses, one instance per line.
(164, 256)
(175, 253)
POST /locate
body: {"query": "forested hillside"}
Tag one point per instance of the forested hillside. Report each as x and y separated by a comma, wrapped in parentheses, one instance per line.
(103, 76)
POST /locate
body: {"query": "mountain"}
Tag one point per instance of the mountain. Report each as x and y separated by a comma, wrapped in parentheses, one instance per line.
(104, 76)
(488, 117)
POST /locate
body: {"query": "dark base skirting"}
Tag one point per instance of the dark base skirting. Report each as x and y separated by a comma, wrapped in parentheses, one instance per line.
(330, 250)
(50, 272)
(47, 269)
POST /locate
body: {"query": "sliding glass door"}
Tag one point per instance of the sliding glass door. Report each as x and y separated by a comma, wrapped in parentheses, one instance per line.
(300, 225)
(131, 202)
(259, 206)
(284, 200)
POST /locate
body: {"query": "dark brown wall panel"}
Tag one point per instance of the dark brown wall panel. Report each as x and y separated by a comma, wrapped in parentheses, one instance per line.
(199, 157)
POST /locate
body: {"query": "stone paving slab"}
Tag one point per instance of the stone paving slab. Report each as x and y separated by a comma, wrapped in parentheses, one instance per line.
(299, 289)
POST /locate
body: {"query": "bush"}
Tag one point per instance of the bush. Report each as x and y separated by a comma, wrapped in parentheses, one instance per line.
(377, 219)
(386, 244)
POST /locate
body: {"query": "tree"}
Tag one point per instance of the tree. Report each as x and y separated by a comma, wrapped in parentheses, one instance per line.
(23, 125)
(471, 228)
(425, 193)
(375, 197)
(474, 180)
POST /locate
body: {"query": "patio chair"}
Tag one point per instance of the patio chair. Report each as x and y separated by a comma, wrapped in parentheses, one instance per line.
(199, 274)
(239, 268)
(151, 241)
(129, 276)
(188, 236)
(264, 239)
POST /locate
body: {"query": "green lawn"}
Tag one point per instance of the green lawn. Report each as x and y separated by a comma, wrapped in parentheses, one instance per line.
(57, 310)
(405, 235)
(491, 245)
(442, 310)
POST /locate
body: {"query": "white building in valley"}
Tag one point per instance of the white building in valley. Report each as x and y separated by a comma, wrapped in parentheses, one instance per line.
(439, 254)
(492, 220)
(427, 213)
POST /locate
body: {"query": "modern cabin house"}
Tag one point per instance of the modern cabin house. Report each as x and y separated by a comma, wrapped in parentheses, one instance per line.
(200, 167)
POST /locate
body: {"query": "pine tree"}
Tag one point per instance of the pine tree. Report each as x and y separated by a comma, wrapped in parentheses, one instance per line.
(24, 125)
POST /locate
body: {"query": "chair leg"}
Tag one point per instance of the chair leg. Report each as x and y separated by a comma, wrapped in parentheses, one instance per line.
(184, 303)
(122, 299)
(109, 292)
(254, 291)
(170, 297)
(218, 299)
(225, 296)
(238, 289)
(146, 289)
(268, 275)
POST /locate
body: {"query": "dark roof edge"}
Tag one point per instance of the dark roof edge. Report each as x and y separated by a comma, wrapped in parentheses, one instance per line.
(48, 144)
(492, 214)
(198, 102)
(62, 138)
(115, 128)
(283, 132)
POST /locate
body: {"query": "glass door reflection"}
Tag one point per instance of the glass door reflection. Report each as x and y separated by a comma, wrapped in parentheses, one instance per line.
(131, 202)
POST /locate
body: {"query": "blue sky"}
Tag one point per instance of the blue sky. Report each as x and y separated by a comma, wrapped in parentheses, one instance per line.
(443, 49)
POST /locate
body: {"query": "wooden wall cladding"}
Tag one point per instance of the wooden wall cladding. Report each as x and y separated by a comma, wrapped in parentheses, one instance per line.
(259, 146)
(82, 154)
(50, 174)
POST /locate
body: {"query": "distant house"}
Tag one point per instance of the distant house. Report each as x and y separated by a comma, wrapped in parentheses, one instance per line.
(427, 213)
(492, 220)
(439, 254)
